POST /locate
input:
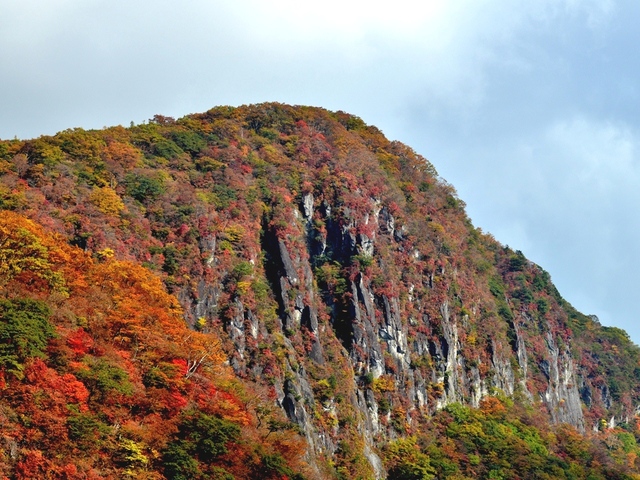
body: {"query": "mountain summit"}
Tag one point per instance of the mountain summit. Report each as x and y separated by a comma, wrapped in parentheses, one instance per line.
(272, 291)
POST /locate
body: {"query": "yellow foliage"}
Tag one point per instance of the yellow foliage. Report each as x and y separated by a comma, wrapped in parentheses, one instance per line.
(207, 164)
(243, 287)
(384, 384)
(206, 197)
(271, 154)
(46, 152)
(225, 246)
(389, 162)
(234, 233)
(24, 252)
(437, 388)
(107, 200)
(134, 452)
(105, 253)
(436, 227)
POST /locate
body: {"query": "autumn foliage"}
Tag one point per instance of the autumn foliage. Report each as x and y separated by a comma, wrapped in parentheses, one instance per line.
(101, 378)
(281, 292)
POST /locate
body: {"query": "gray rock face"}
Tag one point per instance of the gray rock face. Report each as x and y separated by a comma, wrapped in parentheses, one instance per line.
(386, 221)
(562, 396)
(523, 359)
(422, 357)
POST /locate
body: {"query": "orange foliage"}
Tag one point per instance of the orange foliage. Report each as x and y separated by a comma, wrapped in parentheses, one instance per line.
(132, 325)
(492, 406)
(123, 154)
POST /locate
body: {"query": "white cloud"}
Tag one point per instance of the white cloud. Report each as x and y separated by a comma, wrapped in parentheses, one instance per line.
(600, 155)
(187, 57)
(568, 197)
(505, 96)
(596, 12)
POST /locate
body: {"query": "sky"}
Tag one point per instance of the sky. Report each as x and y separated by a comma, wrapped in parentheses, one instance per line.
(531, 110)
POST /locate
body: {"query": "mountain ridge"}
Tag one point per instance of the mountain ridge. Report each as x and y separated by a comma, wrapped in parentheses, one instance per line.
(339, 273)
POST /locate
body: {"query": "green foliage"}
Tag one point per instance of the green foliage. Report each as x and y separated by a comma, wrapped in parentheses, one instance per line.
(616, 335)
(224, 195)
(189, 141)
(270, 116)
(618, 360)
(326, 388)
(144, 188)
(44, 150)
(628, 441)
(260, 289)
(351, 462)
(330, 278)
(200, 438)
(459, 412)
(179, 464)
(541, 281)
(269, 133)
(542, 305)
(241, 270)
(208, 164)
(496, 287)
(363, 260)
(454, 202)
(86, 429)
(504, 311)
(24, 332)
(159, 375)
(103, 378)
(4, 150)
(11, 199)
(167, 149)
(275, 464)
(407, 462)
(207, 434)
(500, 440)
(171, 262)
(524, 295)
(354, 123)
(517, 262)
(82, 145)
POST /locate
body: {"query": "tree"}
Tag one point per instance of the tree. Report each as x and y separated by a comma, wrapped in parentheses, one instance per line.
(24, 332)
(107, 200)
(407, 462)
(145, 188)
(200, 437)
(22, 252)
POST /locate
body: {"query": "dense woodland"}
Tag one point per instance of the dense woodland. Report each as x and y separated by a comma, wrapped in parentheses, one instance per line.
(281, 292)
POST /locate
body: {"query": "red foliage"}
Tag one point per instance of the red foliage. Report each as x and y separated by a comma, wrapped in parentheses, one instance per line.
(239, 183)
(80, 342)
(181, 363)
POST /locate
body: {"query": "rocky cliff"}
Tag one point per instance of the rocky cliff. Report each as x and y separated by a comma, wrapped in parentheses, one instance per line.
(339, 268)
(371, 257)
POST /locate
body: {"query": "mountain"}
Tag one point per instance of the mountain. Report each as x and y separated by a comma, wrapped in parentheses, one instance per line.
(272, 291)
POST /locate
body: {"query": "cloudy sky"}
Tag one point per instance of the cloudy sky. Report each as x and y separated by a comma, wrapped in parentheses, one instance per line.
(530, 109)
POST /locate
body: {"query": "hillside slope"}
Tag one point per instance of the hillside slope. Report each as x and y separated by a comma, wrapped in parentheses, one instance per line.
(346, 286)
